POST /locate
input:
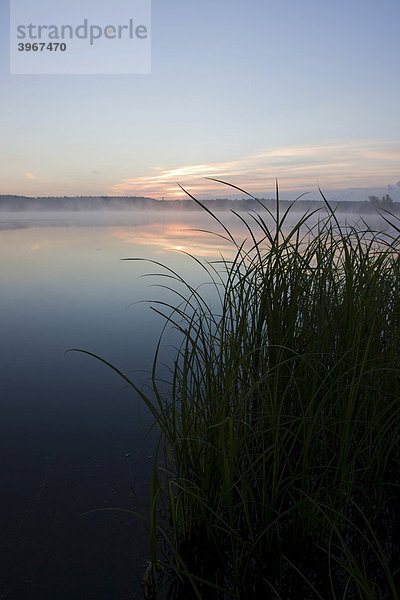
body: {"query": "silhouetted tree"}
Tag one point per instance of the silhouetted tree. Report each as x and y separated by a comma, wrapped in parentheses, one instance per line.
(384, 201)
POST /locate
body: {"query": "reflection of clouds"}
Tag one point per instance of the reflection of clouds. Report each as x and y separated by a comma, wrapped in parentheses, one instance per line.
(348, 164)
(39, 245)
(174, 236)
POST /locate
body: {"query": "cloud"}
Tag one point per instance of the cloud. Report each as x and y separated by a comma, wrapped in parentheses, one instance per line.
(362, 163)
(30, 176)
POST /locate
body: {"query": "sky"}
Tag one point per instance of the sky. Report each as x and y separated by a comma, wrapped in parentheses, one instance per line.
(247, 91)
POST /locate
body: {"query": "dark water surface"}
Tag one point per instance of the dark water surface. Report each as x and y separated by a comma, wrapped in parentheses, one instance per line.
(73, 437)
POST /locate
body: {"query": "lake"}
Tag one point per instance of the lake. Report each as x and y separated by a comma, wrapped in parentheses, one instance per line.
(73, 437)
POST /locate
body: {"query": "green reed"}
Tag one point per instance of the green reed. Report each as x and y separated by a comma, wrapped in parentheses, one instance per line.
(277, 468)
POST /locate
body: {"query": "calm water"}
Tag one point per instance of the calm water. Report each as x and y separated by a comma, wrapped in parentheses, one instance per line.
(72, 437)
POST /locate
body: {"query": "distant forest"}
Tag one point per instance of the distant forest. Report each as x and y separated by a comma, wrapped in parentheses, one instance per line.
(140, 203)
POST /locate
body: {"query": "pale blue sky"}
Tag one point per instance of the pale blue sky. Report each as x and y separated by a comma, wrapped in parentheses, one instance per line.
(244, 90)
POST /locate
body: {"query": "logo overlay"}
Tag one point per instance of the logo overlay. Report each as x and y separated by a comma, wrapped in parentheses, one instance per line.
(74, 37)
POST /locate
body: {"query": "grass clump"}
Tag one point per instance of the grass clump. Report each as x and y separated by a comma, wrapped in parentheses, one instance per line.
(277, 468)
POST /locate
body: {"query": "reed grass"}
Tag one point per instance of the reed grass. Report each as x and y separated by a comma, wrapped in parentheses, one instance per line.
(277, 469)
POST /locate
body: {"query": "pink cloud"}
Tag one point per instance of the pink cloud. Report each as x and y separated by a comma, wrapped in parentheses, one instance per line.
(361, 163)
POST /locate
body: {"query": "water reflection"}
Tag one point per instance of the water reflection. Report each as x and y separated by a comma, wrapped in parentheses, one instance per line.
(174, 236)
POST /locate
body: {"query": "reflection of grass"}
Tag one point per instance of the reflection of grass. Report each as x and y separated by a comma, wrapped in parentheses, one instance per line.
(278, 460)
